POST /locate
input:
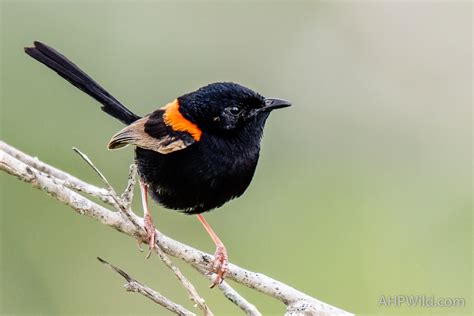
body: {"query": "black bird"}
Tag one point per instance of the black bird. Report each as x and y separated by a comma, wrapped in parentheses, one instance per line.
(194, 154)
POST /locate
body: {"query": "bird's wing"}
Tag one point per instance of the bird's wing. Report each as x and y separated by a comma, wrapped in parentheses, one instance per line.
(158, 132)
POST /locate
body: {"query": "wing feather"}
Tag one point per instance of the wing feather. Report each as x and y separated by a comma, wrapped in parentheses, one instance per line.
(152, 133)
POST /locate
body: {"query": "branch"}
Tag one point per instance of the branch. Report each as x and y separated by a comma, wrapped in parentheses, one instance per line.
(124, 206)
(232, 295)
(44, 177)
(193, 294)
(59, 175)
(133, 285)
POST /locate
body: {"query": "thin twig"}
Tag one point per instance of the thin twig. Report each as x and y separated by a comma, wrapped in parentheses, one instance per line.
(118, 203)
(127, 195)
(231, 294)
(260, 282)
(193, 294)
(91, 164)
(133, 285)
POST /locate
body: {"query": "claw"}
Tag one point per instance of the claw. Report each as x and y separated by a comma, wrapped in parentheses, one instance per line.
(219, 266)
(139, 245)
(151, 234)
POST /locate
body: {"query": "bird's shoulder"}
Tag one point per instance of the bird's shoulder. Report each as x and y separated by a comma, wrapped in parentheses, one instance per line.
(164, 131)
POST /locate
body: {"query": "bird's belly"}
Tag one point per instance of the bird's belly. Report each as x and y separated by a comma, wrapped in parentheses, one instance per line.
(195, 180)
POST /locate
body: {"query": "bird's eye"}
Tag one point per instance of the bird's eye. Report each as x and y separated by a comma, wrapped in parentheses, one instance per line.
(235, 110)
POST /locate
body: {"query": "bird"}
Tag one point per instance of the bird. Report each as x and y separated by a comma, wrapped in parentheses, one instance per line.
(193, 154)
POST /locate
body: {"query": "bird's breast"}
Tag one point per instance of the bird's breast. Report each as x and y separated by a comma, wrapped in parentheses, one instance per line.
(201, 177)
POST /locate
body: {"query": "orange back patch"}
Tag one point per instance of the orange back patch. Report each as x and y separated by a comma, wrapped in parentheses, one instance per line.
(178, 122)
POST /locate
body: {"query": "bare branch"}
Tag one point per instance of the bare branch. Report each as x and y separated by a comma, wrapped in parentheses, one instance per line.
(64, 194)
(91, 164)
(124, 207)
(60, 176)
(127, 195)
(116, 202)
(133, 285)
(202, 261)
(302, 308)
(193, 294)
(232, 295)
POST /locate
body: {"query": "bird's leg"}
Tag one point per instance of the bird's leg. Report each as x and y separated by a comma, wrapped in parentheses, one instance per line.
(221, 260)
(148, 220)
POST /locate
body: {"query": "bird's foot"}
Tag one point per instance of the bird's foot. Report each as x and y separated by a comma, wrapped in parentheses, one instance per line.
(220, 265)
(151, 236)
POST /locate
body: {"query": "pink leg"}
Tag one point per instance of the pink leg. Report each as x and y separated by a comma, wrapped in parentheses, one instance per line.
(221, 260)
(148, 220)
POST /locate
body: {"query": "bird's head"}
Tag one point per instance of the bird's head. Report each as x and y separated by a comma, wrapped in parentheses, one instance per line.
(227, 107)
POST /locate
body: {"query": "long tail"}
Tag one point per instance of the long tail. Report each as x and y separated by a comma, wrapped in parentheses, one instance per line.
(69, 71)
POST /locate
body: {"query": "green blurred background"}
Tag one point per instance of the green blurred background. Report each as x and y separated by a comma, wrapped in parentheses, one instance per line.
(363, 188)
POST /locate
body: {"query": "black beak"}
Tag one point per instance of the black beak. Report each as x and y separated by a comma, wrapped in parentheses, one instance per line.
(272, 104)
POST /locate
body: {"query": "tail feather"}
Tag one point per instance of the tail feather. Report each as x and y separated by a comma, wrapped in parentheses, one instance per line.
(69, 71)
